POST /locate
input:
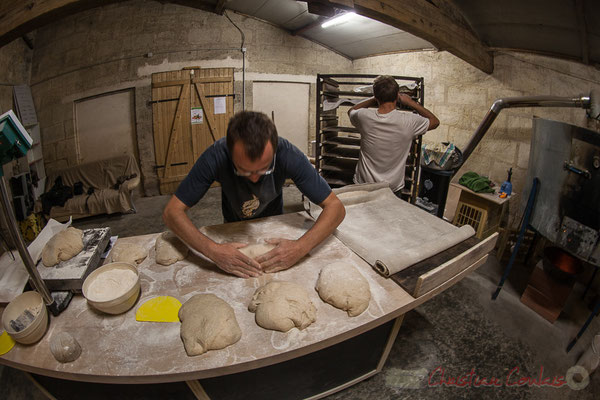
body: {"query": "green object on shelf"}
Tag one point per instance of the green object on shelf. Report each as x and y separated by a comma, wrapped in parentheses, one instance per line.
(14, 139)
(476, 182)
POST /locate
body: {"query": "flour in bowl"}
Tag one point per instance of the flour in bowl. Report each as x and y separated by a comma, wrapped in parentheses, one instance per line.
(111, 284)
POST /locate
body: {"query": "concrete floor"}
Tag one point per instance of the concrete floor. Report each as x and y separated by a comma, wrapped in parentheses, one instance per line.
(458, 331)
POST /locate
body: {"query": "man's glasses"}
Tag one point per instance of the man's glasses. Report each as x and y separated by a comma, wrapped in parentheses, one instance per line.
(267, 171)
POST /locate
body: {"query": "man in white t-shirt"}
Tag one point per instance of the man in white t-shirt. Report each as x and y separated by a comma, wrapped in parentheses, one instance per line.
(387, 133)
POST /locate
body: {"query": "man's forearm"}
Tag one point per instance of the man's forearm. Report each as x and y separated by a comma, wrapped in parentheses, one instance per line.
(332, 215)
(422, 111)
(372, 102)
(179, 223)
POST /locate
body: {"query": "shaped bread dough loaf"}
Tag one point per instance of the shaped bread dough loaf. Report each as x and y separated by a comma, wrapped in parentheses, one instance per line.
(281, 306)
(128, 252)
(63, 246)
(255, 250)
(169, 249)
(207, 323)
(341, 285)
(64, 347)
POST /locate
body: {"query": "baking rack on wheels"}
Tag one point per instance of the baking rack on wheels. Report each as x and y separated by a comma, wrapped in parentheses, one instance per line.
(123, 356)
(338, 142)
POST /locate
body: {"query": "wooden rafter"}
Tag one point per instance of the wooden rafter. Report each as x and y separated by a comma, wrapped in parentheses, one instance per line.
(18, 17)
(425, 20)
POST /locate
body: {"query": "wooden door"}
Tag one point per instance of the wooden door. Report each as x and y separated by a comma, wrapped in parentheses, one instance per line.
(190, 110)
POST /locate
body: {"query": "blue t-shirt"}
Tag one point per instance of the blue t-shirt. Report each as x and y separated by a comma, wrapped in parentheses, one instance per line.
(242, 199)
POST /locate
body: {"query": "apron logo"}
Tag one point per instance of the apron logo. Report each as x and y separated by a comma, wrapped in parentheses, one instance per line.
(250, 206)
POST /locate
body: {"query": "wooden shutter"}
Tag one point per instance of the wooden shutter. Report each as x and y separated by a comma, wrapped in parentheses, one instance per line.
(178, 142)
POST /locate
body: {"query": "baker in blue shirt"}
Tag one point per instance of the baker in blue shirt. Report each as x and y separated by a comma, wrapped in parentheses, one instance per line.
(252, 164)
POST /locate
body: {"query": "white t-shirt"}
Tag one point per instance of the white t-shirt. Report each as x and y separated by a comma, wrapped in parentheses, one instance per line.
(385, 144)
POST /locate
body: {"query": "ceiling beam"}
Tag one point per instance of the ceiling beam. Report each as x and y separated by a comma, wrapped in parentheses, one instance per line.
(18, 17)
(583, 38)
(425, 20)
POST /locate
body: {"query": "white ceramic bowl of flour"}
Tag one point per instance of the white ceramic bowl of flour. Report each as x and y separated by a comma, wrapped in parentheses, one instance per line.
(113, 288)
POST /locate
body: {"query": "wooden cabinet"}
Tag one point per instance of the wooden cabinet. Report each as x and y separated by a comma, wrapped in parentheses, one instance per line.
(338, 142)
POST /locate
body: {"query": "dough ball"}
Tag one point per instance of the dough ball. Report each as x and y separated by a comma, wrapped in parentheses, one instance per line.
(169, 249)
(255, 250)
(64, 347)
(128, 252)
(63, 246)
(207, 323)
(341, 285)
(281, 306)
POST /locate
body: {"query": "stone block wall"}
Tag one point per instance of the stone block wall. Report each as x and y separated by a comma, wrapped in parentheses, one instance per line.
(119, 46)
(461, 95)
(15, 64)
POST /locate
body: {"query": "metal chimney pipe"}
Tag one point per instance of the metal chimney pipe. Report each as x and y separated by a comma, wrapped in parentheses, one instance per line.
(526, 101)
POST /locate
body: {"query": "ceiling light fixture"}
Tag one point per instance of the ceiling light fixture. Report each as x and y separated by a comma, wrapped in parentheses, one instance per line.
(338, 20)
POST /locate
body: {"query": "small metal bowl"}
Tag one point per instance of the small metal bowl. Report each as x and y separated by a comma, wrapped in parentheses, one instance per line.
(122, 301)
(36, 329)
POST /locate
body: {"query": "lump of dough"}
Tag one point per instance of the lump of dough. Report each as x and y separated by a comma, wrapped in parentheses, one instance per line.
(255, 250)
(128, 252)
(341, 285)
(63, 246)
(64, 347)
(281, 306)
(207, 323)
(169, 249)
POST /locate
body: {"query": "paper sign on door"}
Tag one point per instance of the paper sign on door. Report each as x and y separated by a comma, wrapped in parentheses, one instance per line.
(197, 115)
(219, 103)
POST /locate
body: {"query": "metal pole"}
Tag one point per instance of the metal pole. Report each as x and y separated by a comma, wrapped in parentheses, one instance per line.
(526, 217)
(11, 221)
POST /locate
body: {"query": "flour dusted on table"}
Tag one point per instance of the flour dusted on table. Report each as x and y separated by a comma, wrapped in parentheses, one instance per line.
(111, 284)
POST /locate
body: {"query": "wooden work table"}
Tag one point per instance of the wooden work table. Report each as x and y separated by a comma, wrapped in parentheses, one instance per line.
(118, 349)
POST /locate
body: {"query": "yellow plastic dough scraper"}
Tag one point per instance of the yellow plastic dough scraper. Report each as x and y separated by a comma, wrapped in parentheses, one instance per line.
(6, 343)
(159, 309)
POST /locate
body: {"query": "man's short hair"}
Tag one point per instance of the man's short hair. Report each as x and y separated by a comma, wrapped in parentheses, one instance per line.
(254, 129)
(385, 89)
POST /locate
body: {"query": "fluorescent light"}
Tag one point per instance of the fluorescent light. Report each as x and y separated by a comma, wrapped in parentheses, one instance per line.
(340, 19)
